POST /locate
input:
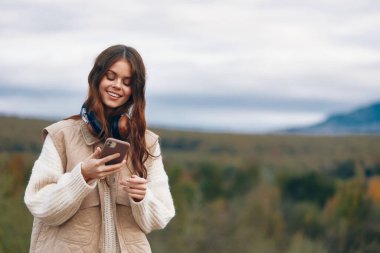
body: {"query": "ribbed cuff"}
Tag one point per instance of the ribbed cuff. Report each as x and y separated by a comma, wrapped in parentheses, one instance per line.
(144, 213)
(64, 202)
(148, 196)
(78, 181)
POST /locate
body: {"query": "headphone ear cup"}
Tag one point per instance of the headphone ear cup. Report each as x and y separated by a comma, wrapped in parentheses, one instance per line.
(123, 126)
(96, 126)
(114, 124)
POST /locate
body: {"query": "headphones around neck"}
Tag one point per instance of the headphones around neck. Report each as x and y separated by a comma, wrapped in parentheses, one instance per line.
(89, 117)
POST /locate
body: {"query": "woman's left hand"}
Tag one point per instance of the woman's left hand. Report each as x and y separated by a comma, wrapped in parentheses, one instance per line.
(135, 186)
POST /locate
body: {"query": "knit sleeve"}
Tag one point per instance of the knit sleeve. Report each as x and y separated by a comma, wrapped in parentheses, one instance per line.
(157, 208)
(52, 195)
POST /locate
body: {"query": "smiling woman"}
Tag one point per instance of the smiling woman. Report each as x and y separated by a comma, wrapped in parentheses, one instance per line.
(80, 201)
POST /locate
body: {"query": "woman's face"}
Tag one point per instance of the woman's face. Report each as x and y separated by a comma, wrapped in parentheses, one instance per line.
(115, 86)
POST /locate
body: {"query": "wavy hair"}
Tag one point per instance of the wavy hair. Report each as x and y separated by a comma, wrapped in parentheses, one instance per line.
(132, 130)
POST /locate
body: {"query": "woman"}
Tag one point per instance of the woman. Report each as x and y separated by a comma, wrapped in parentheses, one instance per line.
(81, 204)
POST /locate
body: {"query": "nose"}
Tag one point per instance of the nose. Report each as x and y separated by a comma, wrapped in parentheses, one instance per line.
(117, 83)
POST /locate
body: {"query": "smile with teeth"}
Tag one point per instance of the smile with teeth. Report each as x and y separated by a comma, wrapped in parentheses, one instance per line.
(113, 94)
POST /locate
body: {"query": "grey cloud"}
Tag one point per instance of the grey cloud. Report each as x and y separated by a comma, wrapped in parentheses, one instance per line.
(280, 56)
(368, 38)
(29, 18)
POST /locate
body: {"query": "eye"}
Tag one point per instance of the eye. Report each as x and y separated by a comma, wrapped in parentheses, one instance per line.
(110, 76)
(127, 81)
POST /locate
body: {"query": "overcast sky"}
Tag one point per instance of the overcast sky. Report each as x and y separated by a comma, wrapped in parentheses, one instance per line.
(233, 65)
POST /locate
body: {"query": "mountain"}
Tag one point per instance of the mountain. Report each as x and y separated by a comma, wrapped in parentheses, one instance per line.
(365, 120)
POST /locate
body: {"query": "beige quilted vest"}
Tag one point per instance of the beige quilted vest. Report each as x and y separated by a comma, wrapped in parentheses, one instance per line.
(83, 232)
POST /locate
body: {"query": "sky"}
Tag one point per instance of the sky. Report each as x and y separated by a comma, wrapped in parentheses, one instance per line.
(229, 65)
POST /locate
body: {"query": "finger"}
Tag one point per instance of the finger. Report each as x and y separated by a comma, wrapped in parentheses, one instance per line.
(137, 180)
(136, 196)
(134, 185)
(103, 175)
(112, 167)
(124, 183)
(136, 176)
(139, 187)
(133, 180)
(134, 191)
(96, 153)
(108, 158)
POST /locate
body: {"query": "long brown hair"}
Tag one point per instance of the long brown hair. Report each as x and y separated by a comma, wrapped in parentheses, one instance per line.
(134, 132)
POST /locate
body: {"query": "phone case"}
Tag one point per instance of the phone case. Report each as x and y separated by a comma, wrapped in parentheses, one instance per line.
(112, 146)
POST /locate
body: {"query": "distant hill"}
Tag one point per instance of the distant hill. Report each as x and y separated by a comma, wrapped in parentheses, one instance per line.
(365, 120)
(19, 134)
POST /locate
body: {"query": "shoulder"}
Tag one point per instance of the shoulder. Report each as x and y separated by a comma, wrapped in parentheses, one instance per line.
(61, 126)
(151, 138)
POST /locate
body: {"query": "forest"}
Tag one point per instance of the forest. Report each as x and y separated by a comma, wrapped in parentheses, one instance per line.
(233, 192)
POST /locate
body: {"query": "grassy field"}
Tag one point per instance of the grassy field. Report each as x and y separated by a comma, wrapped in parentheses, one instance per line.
(234, 193)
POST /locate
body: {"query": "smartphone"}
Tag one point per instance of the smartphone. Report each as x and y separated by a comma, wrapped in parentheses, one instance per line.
(112, 146)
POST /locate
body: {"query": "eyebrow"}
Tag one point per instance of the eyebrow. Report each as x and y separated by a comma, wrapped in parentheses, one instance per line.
(113, 72)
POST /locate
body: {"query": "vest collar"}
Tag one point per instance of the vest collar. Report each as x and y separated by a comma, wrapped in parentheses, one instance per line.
(87, 136)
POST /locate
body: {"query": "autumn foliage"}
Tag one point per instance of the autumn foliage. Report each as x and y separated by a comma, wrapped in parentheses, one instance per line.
(234, 193)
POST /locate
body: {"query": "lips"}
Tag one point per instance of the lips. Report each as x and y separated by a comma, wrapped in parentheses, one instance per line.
(114, 95)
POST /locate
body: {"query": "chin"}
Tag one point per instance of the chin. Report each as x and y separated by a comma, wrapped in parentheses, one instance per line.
(113, 105)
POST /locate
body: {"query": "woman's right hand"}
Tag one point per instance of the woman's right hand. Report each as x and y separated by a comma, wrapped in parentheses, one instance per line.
(95, 167)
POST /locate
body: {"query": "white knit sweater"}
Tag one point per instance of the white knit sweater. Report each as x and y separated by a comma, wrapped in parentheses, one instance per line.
(54, 196)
